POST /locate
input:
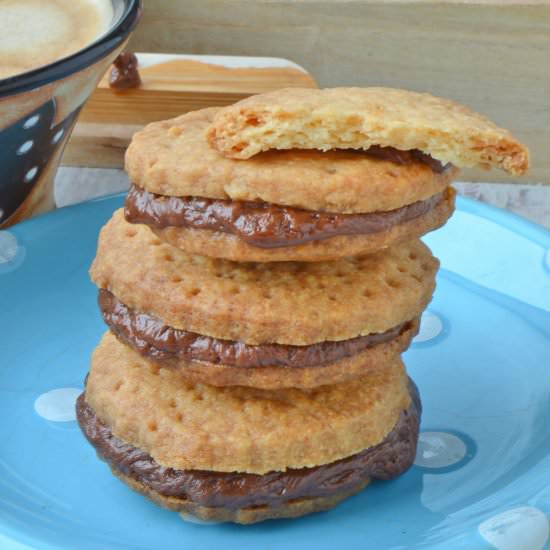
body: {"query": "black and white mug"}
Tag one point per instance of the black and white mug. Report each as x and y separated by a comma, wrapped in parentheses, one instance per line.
(38, 110)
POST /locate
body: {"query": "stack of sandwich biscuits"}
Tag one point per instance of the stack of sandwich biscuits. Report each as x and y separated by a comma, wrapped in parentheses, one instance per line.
(260, 285)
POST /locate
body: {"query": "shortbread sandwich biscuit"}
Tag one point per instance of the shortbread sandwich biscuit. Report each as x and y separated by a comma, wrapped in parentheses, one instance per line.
(242, 454)
(281, 205)
(358, 118)
(262, 325)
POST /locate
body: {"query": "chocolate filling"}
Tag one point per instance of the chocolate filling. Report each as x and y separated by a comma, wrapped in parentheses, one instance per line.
(404, 157)
(152, 338)
(386, 460)
(263, 225)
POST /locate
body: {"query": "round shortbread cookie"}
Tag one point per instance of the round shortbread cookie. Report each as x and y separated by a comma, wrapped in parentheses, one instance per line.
(216, 244)
(172, 158)
(283, 303)
(248, 498)
(358, 118)
(199, 427)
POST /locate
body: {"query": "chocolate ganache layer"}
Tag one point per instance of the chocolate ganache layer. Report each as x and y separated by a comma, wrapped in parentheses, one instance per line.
(263, 225)
(388, 459)
(391, 154)
(152, 338)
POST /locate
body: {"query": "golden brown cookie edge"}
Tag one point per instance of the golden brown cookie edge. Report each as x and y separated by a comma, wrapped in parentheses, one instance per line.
(225, 246)
(273, 378)
(186, 508)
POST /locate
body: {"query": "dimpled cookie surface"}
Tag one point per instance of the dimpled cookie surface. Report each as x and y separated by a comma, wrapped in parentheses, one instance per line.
(173, 158)
(194, 426)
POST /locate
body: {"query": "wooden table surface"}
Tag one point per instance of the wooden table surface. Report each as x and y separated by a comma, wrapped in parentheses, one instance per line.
(75, 185)
(491, 55)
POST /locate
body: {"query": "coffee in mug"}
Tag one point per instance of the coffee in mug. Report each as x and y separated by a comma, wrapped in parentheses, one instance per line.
(34, 33)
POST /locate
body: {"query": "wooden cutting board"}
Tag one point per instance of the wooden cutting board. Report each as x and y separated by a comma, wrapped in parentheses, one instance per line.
(171, 85)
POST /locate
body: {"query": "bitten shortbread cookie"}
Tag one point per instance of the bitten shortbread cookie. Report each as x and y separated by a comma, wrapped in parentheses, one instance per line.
(358, 118)
(262, 325)
(281, 205)
(239, 454)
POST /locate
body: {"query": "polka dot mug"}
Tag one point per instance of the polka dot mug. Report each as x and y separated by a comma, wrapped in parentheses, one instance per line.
(38, 110)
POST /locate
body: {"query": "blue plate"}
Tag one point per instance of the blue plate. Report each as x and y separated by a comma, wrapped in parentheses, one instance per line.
(482, 362)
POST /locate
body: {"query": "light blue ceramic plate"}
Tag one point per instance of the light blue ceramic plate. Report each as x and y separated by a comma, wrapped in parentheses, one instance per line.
(482, 362)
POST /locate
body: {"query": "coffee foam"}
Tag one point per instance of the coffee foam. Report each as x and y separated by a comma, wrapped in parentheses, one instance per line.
(35, 33)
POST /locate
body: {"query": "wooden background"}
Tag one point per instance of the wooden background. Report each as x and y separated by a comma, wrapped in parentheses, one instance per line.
(494, 56)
